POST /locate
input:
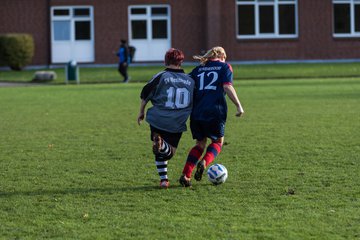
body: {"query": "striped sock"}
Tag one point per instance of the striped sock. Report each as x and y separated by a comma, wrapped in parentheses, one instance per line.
(211, 152)
(166, 151)
(161, 168)
(193, 157)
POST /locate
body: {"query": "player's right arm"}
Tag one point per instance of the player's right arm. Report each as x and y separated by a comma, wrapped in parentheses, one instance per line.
(146, 94)
(142, 111)
(149, 88)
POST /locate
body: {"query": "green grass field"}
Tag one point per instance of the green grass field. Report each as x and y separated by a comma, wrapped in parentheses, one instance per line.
(244, 72)
(74, 164)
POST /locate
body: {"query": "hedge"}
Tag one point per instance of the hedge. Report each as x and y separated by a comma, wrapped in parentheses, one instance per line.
(16, 50)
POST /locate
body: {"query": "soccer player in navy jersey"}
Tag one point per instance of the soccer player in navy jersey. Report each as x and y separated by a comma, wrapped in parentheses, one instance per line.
(171, 94)
(213, 79)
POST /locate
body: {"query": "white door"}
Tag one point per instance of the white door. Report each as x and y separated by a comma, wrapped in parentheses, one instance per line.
(72, 35)
(149, 31)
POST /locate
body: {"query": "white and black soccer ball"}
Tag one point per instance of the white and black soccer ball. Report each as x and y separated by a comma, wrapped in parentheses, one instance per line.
(217, 174)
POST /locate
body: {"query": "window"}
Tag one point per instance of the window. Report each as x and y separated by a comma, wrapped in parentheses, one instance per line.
(81, 12)
(72, 34)
(138, 29)
(72, 23)
(61, 12)
(82, 30)
(160, 11)
(246, 16)
(138, 11)
(287, 19)
(266, 19)
(149, 22)
(149, 30)
(346, 18)
(159, 29)
(61, 30)
(266, 15)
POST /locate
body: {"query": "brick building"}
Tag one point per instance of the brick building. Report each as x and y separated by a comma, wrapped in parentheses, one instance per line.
(89, 31)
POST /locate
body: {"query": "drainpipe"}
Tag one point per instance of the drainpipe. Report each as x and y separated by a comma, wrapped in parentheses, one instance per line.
(48, 33)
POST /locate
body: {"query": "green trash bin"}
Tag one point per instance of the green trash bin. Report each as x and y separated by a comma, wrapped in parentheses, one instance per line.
(72, 72)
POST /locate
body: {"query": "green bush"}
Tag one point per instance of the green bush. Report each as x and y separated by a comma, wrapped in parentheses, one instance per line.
(16, 50)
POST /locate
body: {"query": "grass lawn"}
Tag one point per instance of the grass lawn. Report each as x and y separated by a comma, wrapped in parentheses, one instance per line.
(142, 74)
(75, 165)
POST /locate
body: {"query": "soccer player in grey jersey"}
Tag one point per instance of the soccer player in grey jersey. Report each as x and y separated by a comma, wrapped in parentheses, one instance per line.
(171, 94)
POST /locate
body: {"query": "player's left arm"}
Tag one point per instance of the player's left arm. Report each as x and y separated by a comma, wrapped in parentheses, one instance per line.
(231, 92)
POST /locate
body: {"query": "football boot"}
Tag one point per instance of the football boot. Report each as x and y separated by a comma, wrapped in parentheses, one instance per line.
(184, 181)
(199, 170)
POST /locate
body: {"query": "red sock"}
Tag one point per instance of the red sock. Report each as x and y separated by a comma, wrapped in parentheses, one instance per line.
(211, 152)
(193, 157)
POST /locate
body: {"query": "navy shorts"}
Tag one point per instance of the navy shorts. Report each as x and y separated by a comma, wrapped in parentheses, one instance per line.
(171, 138)
(205, 129)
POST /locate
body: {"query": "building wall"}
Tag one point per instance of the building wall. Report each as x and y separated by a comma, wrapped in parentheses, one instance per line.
(195, 27)
(188, 23)
(111, 25)
(18, 16)
(315, 40)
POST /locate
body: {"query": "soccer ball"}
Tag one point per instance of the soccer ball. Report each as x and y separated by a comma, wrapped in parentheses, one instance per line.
(217, 174)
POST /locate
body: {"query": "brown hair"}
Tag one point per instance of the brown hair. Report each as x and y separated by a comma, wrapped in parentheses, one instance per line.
(215, 52)
(174, 57)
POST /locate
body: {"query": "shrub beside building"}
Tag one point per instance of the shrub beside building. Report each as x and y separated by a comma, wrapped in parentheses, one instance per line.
(16, 50)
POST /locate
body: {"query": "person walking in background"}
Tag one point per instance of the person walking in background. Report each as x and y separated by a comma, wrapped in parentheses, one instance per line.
(171, 94)
(124, 60)
(213, 79)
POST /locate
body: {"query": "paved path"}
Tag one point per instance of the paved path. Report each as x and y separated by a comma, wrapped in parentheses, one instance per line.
(17, 84)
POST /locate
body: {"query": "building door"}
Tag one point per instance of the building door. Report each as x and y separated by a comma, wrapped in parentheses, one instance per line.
(149, 31)
(72, 35)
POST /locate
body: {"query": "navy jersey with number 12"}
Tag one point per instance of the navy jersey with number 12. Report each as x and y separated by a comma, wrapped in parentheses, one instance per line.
(209, 94)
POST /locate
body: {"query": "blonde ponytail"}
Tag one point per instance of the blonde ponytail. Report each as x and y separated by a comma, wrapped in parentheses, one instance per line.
(215, 52)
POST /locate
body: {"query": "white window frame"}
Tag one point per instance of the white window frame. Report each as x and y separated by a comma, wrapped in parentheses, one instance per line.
(352, 33)
(276, 34)
(81, 50)
(148, 17)
(72, 20)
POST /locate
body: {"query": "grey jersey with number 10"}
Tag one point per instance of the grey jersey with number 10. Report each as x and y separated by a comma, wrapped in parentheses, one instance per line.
(171, 94)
